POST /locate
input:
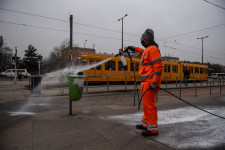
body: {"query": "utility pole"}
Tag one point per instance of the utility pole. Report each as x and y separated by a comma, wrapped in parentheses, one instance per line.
(15, 65)
(85, 43)
(70, 57)
(71, 40)
(122, 29)
(202, 45)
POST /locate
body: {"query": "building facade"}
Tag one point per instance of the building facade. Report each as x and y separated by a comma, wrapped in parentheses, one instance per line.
(76, 52)
(170, 59)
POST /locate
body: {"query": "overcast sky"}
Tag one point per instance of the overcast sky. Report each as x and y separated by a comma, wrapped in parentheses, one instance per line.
(177, 25)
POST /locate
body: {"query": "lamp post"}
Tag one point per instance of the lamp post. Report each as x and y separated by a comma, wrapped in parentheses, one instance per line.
(202, 45)
(85, 43)
(122, 28)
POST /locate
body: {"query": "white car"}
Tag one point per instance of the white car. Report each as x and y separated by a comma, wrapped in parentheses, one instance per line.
(11, 73)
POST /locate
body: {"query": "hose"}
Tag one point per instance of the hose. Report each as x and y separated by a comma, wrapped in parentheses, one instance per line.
(139, 101)
(181, 100)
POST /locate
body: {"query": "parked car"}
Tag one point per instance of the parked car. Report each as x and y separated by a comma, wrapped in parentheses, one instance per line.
(218, 76)
(11, 73)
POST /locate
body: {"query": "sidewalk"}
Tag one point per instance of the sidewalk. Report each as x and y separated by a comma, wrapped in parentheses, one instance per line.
(106, 121)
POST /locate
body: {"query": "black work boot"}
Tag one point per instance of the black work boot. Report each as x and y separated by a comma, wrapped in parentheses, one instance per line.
(139, 126)
(148, 133)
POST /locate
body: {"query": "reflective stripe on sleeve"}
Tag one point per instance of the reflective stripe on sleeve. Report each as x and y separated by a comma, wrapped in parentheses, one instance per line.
(145, 77)
(158, 73)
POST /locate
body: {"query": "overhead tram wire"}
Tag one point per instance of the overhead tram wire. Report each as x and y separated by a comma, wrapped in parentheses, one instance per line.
(194, 53)
(193, 47)
(214, 4)
(56, 19)
(47, 28)
(46, 17)
(194, 31)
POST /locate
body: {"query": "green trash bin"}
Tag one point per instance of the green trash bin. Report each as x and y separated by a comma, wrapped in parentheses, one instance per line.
(76, 83)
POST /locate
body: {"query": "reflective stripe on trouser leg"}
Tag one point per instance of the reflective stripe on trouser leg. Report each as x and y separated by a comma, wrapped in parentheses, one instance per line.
(144, 122)
(149, 108)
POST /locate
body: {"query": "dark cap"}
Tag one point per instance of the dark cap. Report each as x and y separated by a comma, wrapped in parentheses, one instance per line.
(148, 35)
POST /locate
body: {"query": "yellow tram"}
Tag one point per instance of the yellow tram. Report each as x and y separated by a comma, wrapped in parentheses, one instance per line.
(113, 70)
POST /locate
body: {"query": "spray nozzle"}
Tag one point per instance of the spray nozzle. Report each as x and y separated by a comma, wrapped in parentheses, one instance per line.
(118, 54)
(121, 52)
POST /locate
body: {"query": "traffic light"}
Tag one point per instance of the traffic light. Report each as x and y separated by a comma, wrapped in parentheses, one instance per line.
(40, 57)
(17, 60)
(13, 59)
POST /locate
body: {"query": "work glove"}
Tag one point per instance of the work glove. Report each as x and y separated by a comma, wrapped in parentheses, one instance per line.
(131, 48)
(153, 86)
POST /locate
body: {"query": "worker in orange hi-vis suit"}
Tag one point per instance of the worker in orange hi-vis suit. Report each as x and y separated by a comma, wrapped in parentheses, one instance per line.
(150, 75)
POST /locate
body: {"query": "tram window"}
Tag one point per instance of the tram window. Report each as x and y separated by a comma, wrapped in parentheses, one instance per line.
(191, 69)
(136, 66)
(110, 65)
(131, 66)
(78, 62)
(168, 68)
(175, 69)
(206, 71)
(121, 67)
(201, 70)
(196, 70)
(99, 66)
(84, 62)
(91, 62)
(165, 68)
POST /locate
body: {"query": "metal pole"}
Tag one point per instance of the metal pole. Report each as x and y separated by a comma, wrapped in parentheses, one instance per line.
(210, 88)
(70, 58)
(85, 43)
(180, 89)
(202, 45)
(166, 81)
(125, 82)
(87, 84)
(15, 65)
(122, 29)
(71, 39)
(207, 81)
(134, 92)
(195, 90)
(122, 34)
(107, 83)
(176, 81)
(220, 86)
(39, 66)
(201, 80)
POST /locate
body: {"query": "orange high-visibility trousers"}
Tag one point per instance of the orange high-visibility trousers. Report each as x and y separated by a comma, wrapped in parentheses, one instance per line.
(149, 118)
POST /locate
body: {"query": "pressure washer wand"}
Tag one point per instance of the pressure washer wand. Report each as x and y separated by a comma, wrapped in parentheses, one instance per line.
(120, 53)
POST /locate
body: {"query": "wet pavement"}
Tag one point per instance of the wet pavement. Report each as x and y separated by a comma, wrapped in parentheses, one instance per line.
(107, 121)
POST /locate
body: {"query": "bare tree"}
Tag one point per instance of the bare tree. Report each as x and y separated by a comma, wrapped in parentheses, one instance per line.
(56, 61)
(5, 57)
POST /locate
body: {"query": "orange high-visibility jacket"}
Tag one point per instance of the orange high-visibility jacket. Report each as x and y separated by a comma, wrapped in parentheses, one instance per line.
(151, 64)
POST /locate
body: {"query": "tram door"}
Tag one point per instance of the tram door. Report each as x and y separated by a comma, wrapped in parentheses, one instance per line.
(167, 72)
(191, 73)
